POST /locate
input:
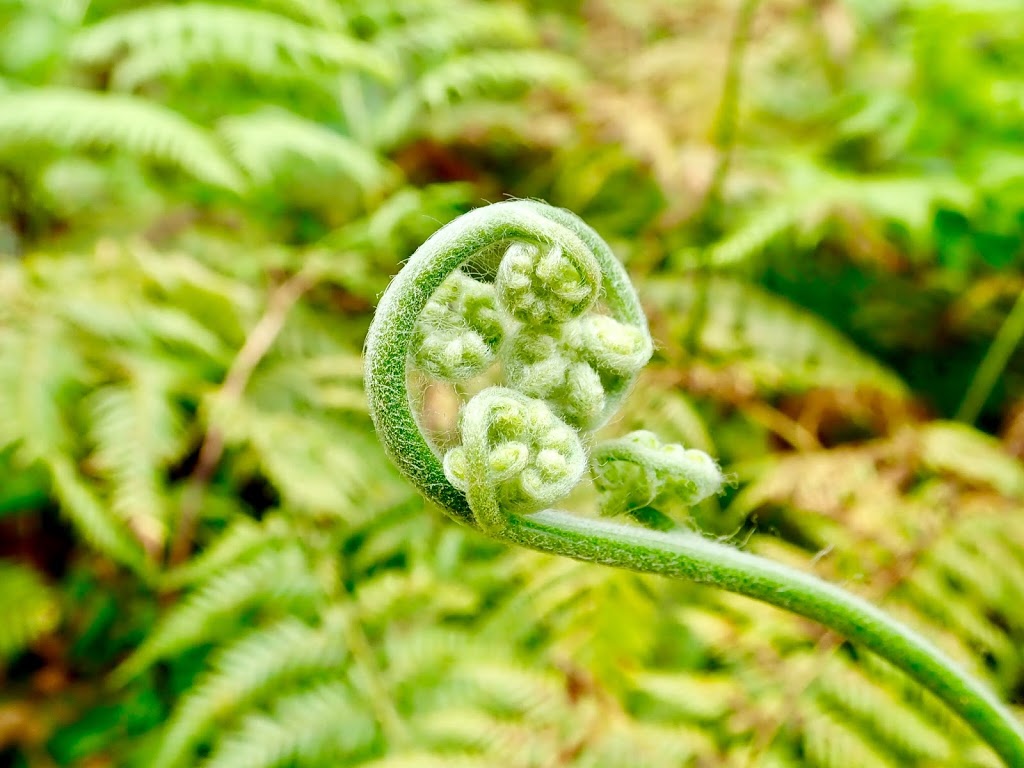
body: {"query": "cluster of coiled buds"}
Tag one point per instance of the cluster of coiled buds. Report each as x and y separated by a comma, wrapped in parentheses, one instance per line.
(566, 361)
(525, 455)
(459, 331)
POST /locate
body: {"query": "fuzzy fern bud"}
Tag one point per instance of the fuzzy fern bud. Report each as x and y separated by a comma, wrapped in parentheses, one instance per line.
(638, 470)
(458, 333)
(542, 284)
(572, 365)
(530, 458)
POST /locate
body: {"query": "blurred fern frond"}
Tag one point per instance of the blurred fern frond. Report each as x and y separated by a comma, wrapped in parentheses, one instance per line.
(166, 166)
(244, 673)
(318, 466)
(137, 430)
(29, 606)
(36, 364)
(272, 579)
(93, 521)
(493, 72)
(236, 544)
(71, 119)
(731, 322)
(817, 198)
(317, 726)
(326, 14)
(268, 144)
(470, 26)
(497, 74)
(175, 39)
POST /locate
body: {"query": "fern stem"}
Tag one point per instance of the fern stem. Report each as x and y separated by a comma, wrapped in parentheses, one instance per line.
(998, 355)
(381, 702)
(727, 119)
(256, 346)
(695, 558)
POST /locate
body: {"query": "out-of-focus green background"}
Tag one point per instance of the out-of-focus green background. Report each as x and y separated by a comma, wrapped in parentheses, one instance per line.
(205, 558)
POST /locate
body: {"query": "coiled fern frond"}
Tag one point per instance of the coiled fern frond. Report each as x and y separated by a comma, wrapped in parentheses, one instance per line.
(522, 448)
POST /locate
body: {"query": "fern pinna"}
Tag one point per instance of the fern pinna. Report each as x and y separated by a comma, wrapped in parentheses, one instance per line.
(524, 443)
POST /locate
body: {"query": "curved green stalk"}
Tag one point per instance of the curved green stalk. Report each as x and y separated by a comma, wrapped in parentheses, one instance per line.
(692, 557)
(684, 556)
(992, 365)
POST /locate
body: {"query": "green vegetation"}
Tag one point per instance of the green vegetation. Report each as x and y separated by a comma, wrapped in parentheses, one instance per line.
(207, 558)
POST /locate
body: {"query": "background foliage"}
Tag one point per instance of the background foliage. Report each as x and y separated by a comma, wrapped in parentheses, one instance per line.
(206, 559)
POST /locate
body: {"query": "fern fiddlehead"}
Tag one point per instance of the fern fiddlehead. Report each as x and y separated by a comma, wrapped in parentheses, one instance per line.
(524, 445)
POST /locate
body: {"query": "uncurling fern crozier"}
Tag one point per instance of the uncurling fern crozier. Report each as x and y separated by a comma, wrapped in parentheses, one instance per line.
(526, 305)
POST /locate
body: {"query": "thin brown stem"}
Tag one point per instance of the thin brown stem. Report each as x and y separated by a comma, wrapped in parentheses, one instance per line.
(727, 117)
(259, 341)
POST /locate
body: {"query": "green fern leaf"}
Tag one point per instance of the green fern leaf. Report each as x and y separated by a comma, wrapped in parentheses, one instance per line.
(700, 697)
(472, 26)
(137, 431)
(816, 195)
(137, 325)
(267, 144)
(896, 725)
(746, 241)
(320, 13)
(426, 760)
(242, 674)
(491, 72)
(632, 742)
(37, 364)
(387, 13)
(418, 659)
(779, 344)
(176, 39)
(273, 580)
(238, 542)
(319, 726)
(503, 741)
(70, 119)
(508, 689)
(831, 743)
(94, 522)
(970, 454)
(29, 607)
(316, 465)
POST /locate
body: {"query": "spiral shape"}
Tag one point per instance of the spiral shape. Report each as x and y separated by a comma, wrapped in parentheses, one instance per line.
(436, 319)
(565, 366)
(544, 284)
(518, 456)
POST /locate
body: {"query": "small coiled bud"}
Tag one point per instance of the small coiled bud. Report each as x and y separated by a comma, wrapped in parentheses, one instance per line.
(541, 284)
(459, 331)
(612, 348)
(517, 449)
(638, 470)
(572, 366)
